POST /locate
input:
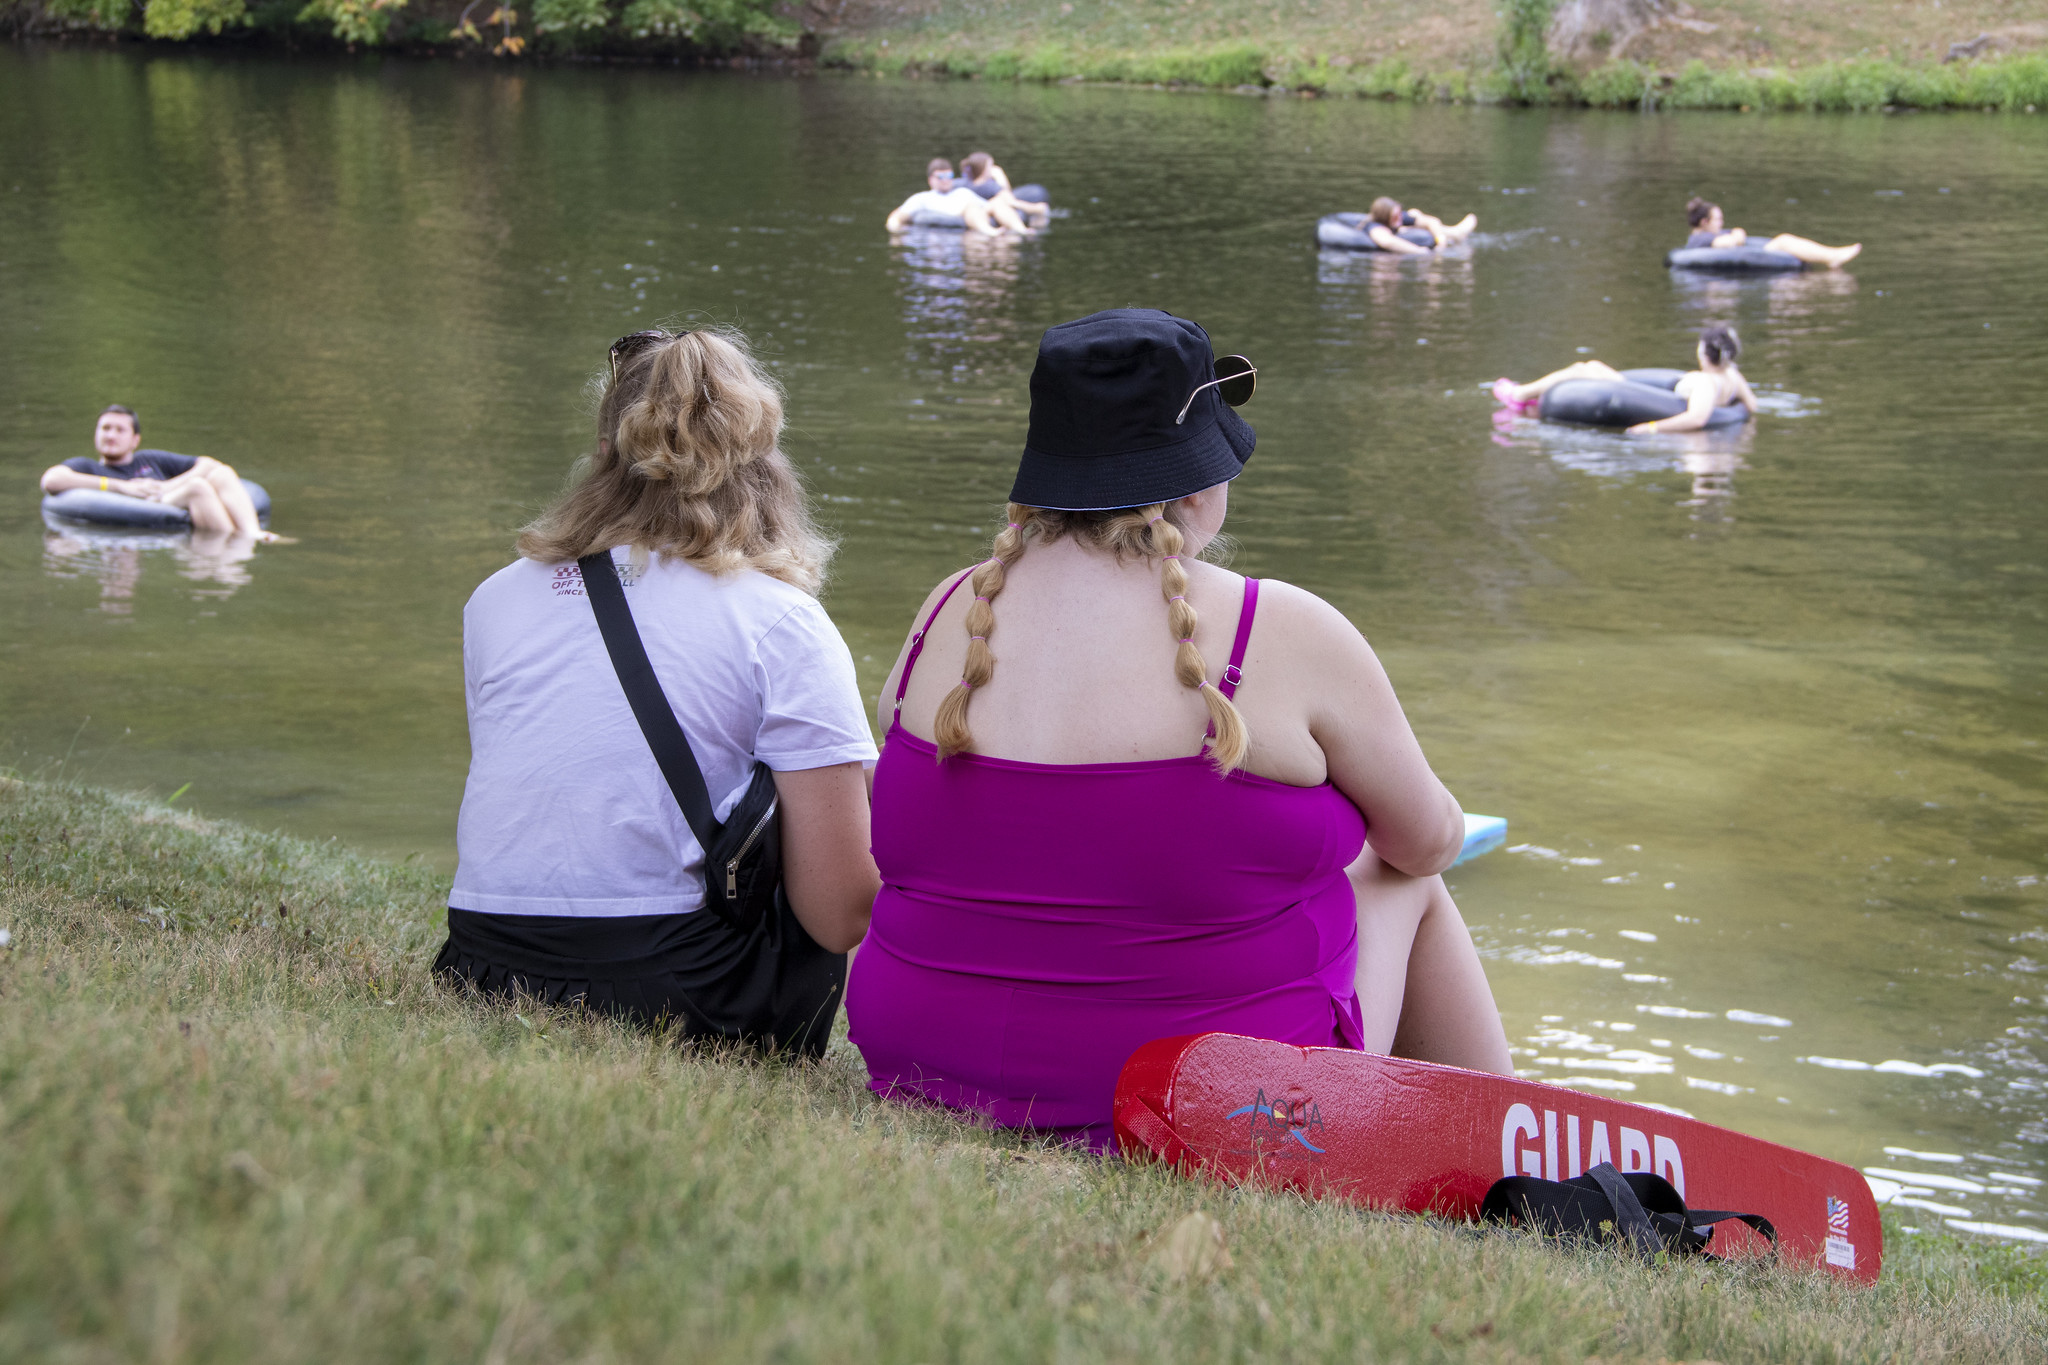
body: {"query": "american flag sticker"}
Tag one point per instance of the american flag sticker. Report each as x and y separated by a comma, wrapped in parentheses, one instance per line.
(1841, 1251)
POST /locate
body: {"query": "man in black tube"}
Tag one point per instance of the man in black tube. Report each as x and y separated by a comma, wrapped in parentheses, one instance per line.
(209, 491)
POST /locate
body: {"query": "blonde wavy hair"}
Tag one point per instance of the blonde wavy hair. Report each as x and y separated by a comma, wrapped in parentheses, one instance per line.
(1149, 533)
(687, 465)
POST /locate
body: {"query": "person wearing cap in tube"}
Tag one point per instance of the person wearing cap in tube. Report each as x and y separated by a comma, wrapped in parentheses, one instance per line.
(1127, 794)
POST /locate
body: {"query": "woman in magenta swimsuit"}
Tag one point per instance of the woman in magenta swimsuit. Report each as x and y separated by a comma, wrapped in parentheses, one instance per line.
(1108, 839)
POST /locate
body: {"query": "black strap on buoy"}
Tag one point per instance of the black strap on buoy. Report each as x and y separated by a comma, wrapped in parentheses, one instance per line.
(1640, 1209)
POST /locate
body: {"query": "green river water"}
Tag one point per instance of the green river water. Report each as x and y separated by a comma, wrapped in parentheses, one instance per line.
(1765, 712)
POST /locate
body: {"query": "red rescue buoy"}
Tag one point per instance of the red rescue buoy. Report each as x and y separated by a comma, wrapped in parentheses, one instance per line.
(1388, 1133)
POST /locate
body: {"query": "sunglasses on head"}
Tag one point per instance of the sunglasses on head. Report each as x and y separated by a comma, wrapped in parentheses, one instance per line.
(629, 345)
(1235, 379)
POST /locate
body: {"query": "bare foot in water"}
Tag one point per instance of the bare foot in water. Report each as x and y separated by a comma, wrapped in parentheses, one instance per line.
(273, 538)
(1844, 255)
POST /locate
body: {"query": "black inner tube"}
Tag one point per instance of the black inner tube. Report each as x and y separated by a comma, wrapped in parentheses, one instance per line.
(1353, 232)
(1638, 396)
(118, 510)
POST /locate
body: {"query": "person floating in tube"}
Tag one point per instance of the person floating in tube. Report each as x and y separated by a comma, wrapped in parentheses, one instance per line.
(1389, 216)
(1709, 229)
(979, 172)
(210, 492)
(944, 194)
(1716, 383)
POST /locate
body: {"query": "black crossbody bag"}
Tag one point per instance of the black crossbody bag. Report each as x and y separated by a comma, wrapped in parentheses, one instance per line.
(763, 980)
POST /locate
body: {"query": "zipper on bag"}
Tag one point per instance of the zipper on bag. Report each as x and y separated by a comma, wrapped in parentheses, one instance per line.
(732, 866)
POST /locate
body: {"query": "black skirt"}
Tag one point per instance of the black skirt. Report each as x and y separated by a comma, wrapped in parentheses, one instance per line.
(772, 987)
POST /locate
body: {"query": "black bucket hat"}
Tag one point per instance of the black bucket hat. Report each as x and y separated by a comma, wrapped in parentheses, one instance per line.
(1112, 424)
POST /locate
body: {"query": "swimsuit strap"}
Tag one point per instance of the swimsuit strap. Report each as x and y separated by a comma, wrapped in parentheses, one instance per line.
(917, 640)
(1233, 672)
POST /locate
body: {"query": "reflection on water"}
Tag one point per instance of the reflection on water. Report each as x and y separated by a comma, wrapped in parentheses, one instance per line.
(955, 287)
(1786, 298)
(1762, 708)
(1390, 293)
(115, 560)
(1710, 458)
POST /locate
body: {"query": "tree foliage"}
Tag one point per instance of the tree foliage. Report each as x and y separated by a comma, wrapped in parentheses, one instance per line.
(706, 27)
(1525, 49)
(183, 18)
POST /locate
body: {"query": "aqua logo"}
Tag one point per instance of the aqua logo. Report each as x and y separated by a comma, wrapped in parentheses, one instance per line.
(1289, 1118)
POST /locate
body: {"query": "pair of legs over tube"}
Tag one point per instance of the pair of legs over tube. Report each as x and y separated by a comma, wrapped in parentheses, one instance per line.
(1812, 252)
(1421, 987)
(213, 495)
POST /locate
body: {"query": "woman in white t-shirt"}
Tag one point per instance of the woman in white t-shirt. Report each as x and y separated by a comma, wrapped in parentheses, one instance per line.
(578, 876)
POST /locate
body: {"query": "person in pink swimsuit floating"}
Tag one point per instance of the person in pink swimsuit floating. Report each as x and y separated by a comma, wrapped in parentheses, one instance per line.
(1091, 835)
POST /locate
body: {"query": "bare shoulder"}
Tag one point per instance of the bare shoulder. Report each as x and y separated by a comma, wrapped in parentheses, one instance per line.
(885, 703)
(936, 595)
(1297, 618)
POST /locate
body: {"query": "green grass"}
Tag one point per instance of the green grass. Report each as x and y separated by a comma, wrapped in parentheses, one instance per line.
(240, 1121)
(1418, 50)
(2016, 84)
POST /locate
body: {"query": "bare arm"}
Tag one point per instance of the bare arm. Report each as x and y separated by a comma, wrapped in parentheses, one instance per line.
(1386, 239)
(1699, 407)
(1744, 394)
(1412, 820)
(827, 869)
(899, 217)
(1732, 237)
(58, 479)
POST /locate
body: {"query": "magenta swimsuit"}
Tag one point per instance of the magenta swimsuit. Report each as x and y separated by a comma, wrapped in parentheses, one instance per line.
(1038, 922)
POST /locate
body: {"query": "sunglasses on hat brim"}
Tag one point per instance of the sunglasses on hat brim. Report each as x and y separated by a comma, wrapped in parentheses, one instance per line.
(1236, 378)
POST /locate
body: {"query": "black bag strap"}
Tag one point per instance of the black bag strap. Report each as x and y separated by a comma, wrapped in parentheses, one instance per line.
(643, 692)
(1629, 1219)
(1646, 1212)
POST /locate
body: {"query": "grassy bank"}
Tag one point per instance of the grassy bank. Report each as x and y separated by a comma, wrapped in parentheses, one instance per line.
(1735, 55)
(242, 1122)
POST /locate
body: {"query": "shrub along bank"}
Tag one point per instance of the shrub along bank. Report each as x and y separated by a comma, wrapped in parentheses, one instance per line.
(242, 1122)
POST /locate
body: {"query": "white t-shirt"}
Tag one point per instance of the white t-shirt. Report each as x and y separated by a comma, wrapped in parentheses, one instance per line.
(931, 201)
(566, 812)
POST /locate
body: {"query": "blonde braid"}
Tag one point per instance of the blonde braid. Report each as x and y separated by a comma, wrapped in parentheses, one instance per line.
(950, 728)
(1228, 738)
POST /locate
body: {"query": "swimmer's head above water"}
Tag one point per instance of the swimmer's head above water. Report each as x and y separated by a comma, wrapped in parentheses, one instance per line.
(1703, 214)
(117, 434)
(1719, 346)
(938, 173)
(1386, 212)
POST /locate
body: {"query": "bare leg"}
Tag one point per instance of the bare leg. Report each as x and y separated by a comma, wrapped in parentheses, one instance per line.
(1584, 369)
(235, 498)
(1812, 252)
(1030, 208)
(1007, 216)
(976, 215)
(1421, 988)
(1447, 232)
(193, 493)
